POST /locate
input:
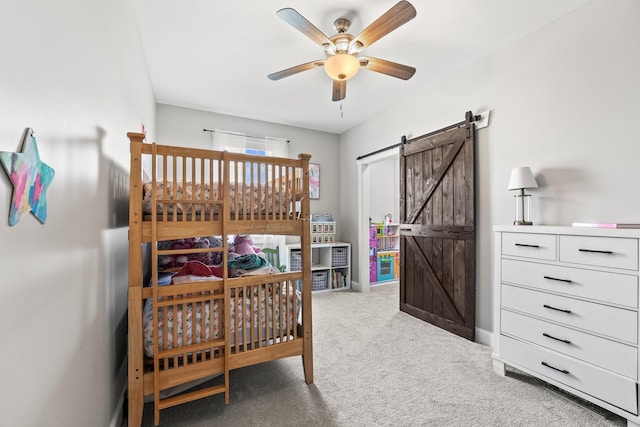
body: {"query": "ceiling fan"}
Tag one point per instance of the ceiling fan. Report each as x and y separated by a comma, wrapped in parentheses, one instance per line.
(341, 50)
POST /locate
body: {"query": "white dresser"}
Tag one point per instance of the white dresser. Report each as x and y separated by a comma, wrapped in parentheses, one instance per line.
(566, 310)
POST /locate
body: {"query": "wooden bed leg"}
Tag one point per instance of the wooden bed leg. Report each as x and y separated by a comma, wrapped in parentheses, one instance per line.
(307, 319)
(136, 402)
(135, 392)
(307, 365)
(307, 347)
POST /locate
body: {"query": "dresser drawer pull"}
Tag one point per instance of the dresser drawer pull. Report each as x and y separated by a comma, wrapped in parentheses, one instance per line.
(527, 246)
(557, 339)
(556, 309)
(595, 251)
(558, 280)
(564, 371)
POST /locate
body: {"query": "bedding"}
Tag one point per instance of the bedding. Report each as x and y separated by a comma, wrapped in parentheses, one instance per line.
(265, 200)
(175, 262)
(246, 311)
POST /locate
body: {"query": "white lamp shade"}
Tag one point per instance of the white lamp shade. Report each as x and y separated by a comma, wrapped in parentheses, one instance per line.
(342, 66)
(522, 178)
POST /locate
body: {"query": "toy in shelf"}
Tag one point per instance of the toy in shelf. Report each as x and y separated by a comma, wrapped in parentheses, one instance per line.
(323, 229)
(384, 251)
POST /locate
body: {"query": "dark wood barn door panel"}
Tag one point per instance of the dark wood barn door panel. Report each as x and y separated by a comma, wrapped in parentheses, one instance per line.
(437, 243)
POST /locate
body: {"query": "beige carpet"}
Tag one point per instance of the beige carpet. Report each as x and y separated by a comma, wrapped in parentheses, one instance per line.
(377, 366)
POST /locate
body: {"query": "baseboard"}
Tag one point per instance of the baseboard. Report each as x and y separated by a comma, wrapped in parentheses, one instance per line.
(118, 416)
(355, 286)
(484, 337)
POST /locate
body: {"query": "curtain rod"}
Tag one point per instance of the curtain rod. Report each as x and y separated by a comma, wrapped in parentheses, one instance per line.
(242, 134)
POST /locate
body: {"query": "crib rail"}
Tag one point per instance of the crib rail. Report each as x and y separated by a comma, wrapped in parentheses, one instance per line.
(190, 186)
(189, 332)
(263, 316)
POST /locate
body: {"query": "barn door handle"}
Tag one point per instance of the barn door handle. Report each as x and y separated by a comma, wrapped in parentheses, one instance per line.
(558, 280)
(554, 338)
(557, 309)
(595, 251)
(564, 371)
(527, 246)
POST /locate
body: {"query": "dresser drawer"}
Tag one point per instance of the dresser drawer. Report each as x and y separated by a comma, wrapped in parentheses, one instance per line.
(538, 246)
(602, 319)
(602, 286)
(602, 352)
(614, 252)
(604, 385)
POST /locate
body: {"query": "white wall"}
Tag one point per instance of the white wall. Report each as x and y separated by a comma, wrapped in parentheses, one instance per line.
(384, 189)
(564, 101)
(73, 71)
(184, 127)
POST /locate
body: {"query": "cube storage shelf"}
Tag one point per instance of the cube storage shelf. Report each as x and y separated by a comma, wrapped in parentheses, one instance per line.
(330, 264)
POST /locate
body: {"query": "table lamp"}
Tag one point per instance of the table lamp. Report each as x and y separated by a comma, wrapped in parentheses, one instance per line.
(522, 178)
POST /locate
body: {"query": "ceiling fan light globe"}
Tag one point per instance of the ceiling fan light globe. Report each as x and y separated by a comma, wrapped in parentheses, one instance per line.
(341, 66)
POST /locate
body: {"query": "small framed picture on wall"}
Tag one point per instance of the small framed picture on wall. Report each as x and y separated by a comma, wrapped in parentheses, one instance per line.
(314, 180)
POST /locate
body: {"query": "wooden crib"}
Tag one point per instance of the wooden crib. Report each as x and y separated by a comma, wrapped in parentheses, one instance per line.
(205, 328)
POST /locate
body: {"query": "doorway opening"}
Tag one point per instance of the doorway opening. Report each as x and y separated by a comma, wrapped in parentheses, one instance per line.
(378, 186)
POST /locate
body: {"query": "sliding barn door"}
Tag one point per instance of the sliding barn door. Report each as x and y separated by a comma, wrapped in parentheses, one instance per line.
(437, 243)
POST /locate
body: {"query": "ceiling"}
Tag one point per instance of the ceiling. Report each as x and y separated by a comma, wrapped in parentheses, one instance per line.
(216, 55)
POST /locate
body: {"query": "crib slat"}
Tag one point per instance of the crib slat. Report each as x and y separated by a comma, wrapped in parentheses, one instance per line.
(261, 295)
(287, 198)
(295, 309)
(252, 186)
(274, 314)
(283, 310)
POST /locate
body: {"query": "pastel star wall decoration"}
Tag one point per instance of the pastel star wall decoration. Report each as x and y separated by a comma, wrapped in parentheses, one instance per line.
(30, 178)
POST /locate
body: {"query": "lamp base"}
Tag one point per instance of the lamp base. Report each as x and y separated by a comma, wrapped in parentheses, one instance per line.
(522, 223)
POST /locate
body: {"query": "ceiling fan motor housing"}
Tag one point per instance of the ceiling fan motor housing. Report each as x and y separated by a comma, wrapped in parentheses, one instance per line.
(341, 25)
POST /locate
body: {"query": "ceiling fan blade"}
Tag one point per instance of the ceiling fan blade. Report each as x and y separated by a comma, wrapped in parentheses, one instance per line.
(299, 22)
(339, 90)
(389, 68)
(295, 70)
(401, 13)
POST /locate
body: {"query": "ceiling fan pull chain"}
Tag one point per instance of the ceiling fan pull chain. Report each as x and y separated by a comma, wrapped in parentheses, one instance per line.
(341, 111)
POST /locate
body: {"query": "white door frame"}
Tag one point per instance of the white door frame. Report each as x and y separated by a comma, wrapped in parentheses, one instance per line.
(364, 195)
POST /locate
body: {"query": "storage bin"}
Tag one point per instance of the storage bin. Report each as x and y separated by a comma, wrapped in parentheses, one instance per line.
(296, 260)
(339, 256)
(319, 281)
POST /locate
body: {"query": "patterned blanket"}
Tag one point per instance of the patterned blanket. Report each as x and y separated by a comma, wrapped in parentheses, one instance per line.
(244, 313)
(265, 200)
